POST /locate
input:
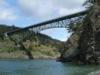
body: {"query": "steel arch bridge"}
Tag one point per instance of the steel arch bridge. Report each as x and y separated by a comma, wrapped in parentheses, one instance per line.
(22, 34)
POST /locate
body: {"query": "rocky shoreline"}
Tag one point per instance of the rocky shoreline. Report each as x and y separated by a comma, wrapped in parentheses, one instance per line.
(95, 73)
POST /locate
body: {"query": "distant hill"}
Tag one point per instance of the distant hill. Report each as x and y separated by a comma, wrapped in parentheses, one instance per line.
(6, 28)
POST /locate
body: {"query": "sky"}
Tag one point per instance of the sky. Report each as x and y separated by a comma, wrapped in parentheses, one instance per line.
(23, 13)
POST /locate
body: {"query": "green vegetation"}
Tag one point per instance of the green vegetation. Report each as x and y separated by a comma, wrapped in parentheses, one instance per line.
(40, 45)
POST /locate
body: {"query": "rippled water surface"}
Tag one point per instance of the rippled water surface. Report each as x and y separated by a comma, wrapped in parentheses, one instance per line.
(43, 67)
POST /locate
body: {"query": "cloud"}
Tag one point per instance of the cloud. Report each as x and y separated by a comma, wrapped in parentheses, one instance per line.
(6, 12)
(37, 8)
(47, 9)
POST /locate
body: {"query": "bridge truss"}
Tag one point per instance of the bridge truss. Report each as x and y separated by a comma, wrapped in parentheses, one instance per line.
(23, 34)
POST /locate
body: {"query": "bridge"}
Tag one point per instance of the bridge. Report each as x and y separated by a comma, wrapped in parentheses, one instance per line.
(61, 22)
(23, 34)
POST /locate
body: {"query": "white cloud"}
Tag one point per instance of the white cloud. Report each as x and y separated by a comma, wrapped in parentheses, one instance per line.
(46, 9)
(6, 12)
(37, 8)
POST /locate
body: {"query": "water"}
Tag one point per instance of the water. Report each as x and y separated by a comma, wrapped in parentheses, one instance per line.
(43, 67)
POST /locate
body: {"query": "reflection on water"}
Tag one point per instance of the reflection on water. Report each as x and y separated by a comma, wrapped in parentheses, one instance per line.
(43, 67)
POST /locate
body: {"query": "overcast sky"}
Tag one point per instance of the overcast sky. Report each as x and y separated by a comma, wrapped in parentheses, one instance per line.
(23, 13)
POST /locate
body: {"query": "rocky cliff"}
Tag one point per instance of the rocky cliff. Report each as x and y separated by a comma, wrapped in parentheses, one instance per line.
(85, 47)
(71, 48)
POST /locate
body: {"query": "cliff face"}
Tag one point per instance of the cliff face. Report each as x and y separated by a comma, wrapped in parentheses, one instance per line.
(86, 46)
(78, 47)
(89, 43)
(71, 48)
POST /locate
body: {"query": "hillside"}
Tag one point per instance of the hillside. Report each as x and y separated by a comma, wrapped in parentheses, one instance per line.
(41, 46)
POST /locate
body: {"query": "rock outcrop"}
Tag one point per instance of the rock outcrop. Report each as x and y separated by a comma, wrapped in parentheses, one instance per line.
(71, 48)
(85, 47)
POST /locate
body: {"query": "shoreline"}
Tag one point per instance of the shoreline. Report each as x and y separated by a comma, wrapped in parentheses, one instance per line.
(22, 56)
(94, 73)
(15, 59)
